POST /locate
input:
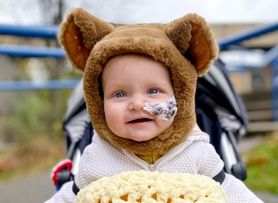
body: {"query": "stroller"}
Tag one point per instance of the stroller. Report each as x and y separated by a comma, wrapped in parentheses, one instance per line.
(219, 111)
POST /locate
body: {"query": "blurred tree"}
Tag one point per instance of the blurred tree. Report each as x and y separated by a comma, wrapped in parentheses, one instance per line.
(53, 11)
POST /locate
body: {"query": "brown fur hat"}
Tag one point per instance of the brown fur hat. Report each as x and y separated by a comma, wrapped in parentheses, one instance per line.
(186, 46)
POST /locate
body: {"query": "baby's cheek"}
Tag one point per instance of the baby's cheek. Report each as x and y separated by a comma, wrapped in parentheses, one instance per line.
(164, 125)
(108, 113)
(113, 115)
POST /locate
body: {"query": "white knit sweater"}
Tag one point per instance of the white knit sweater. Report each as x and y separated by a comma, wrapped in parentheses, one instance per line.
(195, 155)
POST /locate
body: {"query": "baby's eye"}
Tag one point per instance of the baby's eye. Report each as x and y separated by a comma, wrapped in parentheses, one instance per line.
(153, 91)
(120, 94)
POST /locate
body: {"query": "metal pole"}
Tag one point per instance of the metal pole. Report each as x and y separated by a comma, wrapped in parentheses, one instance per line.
(226, 42)
(31, 51)
(274, 67)
(46, 32)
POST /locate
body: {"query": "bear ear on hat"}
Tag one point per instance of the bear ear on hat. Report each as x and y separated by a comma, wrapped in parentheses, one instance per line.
(79, 33)
(194, 39)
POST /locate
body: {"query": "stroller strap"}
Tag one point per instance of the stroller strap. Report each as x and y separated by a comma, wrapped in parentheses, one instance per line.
(75, 189)
(218, 178)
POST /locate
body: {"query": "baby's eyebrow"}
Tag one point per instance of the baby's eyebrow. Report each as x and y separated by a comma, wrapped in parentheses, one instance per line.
(113, 88)
(157, 82)
(115, 84)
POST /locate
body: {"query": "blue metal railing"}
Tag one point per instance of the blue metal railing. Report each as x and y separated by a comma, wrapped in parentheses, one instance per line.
(45, 32)
(250, 34)
(27, 85)
(275, 89)
(50, 32)
(27, 51)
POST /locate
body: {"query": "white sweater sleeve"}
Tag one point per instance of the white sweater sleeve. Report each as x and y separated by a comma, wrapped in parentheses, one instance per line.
(64, 195)
(211, 164)
(236, 191)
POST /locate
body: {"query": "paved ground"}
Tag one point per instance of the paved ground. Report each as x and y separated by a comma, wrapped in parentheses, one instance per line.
(268, 198)
(30, 189)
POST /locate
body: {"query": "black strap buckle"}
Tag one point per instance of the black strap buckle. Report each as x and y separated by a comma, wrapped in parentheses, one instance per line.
(75, 189)
(220, 177)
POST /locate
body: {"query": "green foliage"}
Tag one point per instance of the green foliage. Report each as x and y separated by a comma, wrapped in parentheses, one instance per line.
(37, 113)
(262, 166)
(33, 131)
(40, 153)
(31, 136)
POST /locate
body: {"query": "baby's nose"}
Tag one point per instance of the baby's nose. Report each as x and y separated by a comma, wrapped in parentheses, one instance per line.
(136, 103)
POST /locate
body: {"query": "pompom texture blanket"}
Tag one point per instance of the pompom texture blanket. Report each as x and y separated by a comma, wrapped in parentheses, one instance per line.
(152, 187)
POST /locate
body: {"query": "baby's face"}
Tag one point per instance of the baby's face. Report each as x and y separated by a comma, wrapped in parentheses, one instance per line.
(129, 81)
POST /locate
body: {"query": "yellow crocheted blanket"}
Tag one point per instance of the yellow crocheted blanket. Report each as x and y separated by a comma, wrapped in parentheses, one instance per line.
(152, 187)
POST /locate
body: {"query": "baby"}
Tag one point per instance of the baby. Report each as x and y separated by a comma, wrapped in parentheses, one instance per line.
(130, 84)
(139, 87)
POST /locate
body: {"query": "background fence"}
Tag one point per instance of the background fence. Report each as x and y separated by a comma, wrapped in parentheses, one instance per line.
(50, 33)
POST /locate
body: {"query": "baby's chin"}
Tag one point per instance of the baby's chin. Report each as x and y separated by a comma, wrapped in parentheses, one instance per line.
(138, 135)
(142, 138)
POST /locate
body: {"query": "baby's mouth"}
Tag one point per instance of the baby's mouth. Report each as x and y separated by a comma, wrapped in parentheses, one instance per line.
(140, 120)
